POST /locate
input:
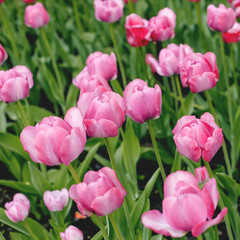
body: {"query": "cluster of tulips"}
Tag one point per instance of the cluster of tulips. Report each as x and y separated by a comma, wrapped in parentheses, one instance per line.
(189, 201)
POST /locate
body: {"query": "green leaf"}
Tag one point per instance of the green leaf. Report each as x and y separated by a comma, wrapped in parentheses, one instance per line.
(3, 120)
(2, 237)
(188, 105)
(72, 96)
(18, 236)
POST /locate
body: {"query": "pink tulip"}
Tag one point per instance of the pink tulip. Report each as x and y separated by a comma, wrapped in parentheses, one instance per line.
(194, 0)
(233, 34)
(198, 137)
(3, 55)
(77, 81)
(56, 200)
(1, 1)
(236, 6)
(100, 193)
(201, 174)
(28, 1)
(15, 83)
(108, 10)
(143, 102)
(162, 26)
(103, 64)
(127, 1)
(55, 141)
(220, 19)
(71, 233)
(199, 72)
(18, 209)
(185, 207)
(104, 114)
(137, 30)
(36, 16)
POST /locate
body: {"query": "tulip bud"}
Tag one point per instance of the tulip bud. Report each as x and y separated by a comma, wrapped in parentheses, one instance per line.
(3, 55)
(71, 233)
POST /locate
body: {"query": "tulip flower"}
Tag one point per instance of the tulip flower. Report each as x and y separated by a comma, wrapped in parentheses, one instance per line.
(71, 233)
(194, 0)
(36, 16)
(56, 200)
(100, 193)
(236, 7)
(15, 83)
(127, 1)
(18, 209)
(199, 72)
(198, 137)
(233, 34)
(3, 55)
(201, 174)
(220, 18)
(78, 79)
(108, 10)
(185, 207)
(55, 141)
(28, 1)
(1, 1)
(137, 30)
(142, 102)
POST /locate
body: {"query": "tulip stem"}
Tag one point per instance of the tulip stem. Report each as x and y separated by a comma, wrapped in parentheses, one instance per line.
(180, 93)
(29, 230)
(156, 150)
(77, 18)
(74, 173)
(130, 6)
(199, 237)
(118, 55)
(177, 162)
(22, 115)
(114, 224)
(110, 154)
(208, 168)
(100, 225)
(225, 152)
(174, 92)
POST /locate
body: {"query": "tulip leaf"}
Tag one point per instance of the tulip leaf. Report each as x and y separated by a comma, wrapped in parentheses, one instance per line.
(2, 237)
(188, 105)
(146, 231)
(72, 96)
(157, 237)
(3, 120)
(18, 236)
(97, 236)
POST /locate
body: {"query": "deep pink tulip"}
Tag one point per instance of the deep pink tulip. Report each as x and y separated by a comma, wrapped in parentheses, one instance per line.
(162, 26)
(15, 83)
(18, 209)
(194, 0)
(104, 113)
(126, 1)
(108, 10)
(1, 1)
(233, 34)
(198, 137)
(220, 18)
(236, 6)
(100, 193)
(199, 72)
(201, 174)
(71, 233)
(55, 141)
(28, 1)
(143, 102)
(137, 30)
(56, 200)
(3, 55)
(103, 64)
(36, 16)
(185, 207)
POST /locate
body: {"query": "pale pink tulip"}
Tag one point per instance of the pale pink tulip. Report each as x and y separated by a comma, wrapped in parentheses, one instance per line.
(220, 18)
(56, 200)
(198, 137)
(78, 79)
(185, 207)
(55, 141)
(108, 10)
(201, 174)
(18, 209)
(71, 233)
(233, 34)
(143, 102)
(236, 7)
(199, 72)
(3, 55)
(100, 193)
(36, 16)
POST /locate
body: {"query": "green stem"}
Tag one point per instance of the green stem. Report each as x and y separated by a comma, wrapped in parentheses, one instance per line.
(180, 93)
(44, 36)
(101, 226)
(208, 168)
(110, 153)
(77, 18)
(29, 230)
(156, 150)
(118, 55)
(114, 224)
(234, 71)
(22, 114)
(74, 173)
(143, 63)
(225, 152)
(130, 6)
(177, 162)
(199, 237)
(224, 62)
(174, 92)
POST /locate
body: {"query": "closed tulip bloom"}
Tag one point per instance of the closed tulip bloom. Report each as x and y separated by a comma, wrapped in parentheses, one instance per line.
(199, 72)
(78, 79)
(220, 18)
(143, 102)
(3, 55)
(71, 233)
(137, 30)
(100, 193)
(55, 141)
(198, 137)
(15, 83)
(201, 174)
(185, 207)
(18, 209)
(102, 64)
(36, 16)
(233, 34)
(108, 10)
(56, 200)
(28, 1)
